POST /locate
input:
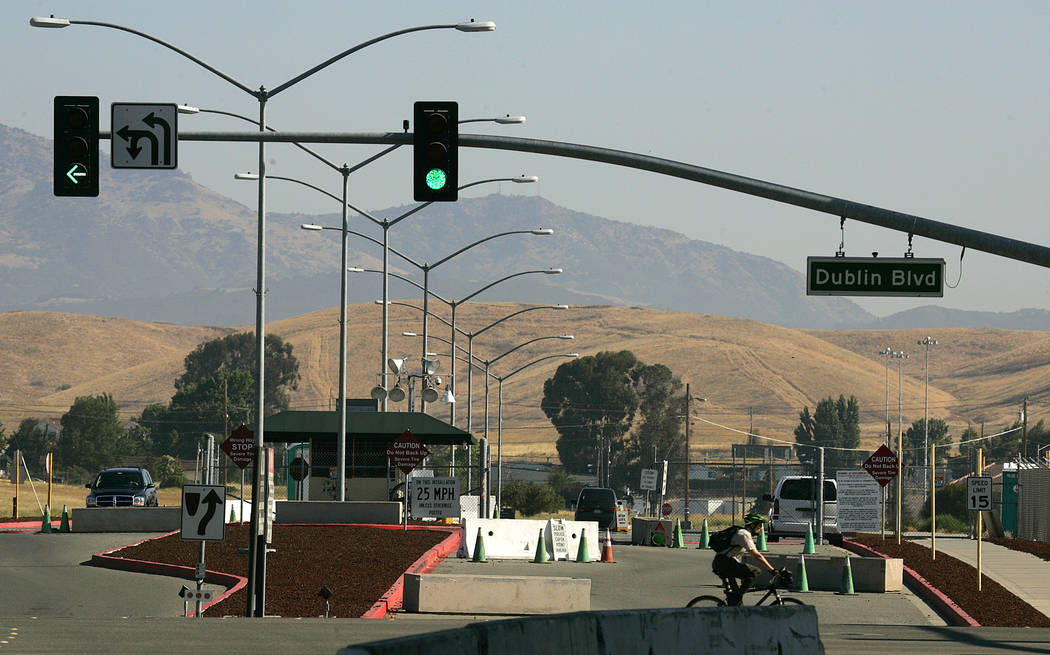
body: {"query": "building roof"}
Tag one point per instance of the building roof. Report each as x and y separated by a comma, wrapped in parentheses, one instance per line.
(301, 426)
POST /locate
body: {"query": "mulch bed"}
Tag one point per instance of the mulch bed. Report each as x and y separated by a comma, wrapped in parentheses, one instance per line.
(992, 606)
(1038, 548)
(357, 563)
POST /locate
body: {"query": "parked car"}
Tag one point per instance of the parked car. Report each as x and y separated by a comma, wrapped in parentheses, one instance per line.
(597, 504)
(122, 487)
(795, 508)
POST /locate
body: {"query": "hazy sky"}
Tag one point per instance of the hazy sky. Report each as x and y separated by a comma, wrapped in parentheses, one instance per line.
(940, 109)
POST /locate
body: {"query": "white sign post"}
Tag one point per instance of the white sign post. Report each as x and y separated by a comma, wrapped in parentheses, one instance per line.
(435, 497)
(858, 501)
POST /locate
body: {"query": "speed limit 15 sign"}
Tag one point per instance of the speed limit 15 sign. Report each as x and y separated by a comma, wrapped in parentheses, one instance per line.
(979, 494)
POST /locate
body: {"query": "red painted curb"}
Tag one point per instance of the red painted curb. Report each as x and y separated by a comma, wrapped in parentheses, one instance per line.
(232, 582)
(394, 597)
(923, 588)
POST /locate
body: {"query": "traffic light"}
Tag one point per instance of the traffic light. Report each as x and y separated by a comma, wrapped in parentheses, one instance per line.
(435, 161)
(76, 146)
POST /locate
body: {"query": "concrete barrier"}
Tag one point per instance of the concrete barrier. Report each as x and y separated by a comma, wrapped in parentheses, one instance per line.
(516, 538)
(332, 511)
(495, 594)
(824, 572)
(126, 519)
(788, 630)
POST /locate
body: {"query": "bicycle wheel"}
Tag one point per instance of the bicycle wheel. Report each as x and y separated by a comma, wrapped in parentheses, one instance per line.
(706, 601)
(787, 601)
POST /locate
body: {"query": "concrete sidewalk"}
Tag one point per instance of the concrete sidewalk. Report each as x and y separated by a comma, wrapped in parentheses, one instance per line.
(1024, 575)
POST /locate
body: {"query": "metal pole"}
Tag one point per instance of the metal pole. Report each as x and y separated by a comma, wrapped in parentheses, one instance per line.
(256, 592)
(426, 316)
(685, 522)
(900, 446)
(386, 306)
(820, 496)
(499, 446)
(340, 451)
(485, 453)
(470, 403)
(980, 518)
(452, 387)
(933, 502)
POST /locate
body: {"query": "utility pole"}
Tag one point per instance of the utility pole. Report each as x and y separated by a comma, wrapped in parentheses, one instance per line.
(1024, 428)
(686, 524)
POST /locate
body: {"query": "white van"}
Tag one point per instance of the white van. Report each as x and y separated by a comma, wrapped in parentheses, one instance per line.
(795, 508)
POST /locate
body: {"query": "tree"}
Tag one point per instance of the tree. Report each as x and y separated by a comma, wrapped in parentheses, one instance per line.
(591, 401)
(3, 439)
(92, 436)
(915, 436)
(835, 426)
(34, 438)
(530, 498)
(995, 449)
(661, 407)
(565, 486)
(236, 352)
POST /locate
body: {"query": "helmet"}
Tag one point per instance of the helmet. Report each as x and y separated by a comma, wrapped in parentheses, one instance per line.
(754, 517)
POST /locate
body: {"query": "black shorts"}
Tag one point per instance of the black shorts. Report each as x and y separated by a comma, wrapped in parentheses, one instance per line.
(726, 567)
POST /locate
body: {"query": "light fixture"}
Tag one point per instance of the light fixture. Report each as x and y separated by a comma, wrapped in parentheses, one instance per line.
(378, 392)
(431, 366)
(245, 176)
(430, 394)
(397, 394)
(51, 21)
(552, 271)
(448, 397)
(397, 365)
(310, 226)
(543, 231)
(525, 179)
(472, 26)
(188, 109)
(508, 120)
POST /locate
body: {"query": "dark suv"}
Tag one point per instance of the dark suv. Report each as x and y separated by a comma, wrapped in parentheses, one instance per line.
(597, 504)
(122, 487)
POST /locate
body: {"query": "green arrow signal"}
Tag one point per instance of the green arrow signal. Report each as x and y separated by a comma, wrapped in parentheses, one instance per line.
(73, 176)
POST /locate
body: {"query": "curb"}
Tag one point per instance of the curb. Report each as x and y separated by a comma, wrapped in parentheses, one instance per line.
(233, 583)
(956, 615)
(394, 597)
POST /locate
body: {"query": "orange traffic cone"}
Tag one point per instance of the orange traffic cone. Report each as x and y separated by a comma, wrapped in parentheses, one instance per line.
(607, 555)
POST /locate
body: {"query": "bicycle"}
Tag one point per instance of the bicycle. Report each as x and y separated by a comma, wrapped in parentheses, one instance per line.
(781, 580)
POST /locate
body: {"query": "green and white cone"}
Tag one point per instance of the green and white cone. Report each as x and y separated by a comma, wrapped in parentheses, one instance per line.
(809, 548)
(846, 588)
(762, 540)
(679, 539)
(479, 549)
(64, 526)
(705, 537)
(541, 551)
(582, 554)
(45, 524)
(801, 581)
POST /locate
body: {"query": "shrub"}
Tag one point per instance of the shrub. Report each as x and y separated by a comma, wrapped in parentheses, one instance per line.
(951, 499)
(530, 498)
(945, 523)
(167, 472)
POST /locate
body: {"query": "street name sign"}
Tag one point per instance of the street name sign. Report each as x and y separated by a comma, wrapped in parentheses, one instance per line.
(203, 512)
(144, 135)
(882, 465)
(407, 452)
(870, 276)
(435, 497)
(240, 446)
(979, 493)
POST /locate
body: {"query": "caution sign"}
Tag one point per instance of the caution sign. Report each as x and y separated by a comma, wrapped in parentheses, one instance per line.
(407, 452)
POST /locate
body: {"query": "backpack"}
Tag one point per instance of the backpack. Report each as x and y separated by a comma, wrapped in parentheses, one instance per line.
(720, 540)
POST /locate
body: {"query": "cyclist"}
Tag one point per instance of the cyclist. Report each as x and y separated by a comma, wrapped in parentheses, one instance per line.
(728, 563)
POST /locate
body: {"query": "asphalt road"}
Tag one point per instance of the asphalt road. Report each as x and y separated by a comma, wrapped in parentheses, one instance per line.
(51, 603)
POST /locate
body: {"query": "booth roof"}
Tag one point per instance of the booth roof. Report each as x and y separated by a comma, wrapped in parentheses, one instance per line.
(300, 426)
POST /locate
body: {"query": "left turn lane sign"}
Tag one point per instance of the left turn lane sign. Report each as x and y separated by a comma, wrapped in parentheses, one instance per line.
(203, 512)
(144, 135)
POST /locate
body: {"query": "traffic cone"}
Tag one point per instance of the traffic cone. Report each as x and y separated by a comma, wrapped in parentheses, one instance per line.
(846, 588)
(479, 549)
(762, 547)
(607, 555)
(45, 525)
(541, 551)
(801, 581)
(64, 527)
(809, 548)
(582, 555)
(705, 537)
(679, 540)
(233, 513)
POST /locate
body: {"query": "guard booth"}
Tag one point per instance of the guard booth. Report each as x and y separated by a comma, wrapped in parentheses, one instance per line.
(369, 474)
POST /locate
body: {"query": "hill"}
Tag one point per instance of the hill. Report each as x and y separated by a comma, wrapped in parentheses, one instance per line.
(748, 371)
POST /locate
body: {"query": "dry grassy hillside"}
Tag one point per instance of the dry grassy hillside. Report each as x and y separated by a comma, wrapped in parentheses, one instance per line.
(751, 373)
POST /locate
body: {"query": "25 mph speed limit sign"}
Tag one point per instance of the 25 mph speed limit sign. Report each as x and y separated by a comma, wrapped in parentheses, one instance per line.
(979, 494)
(435, 497)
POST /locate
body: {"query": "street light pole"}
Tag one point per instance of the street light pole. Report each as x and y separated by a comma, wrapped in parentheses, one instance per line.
(927, 342)
(899, 356)
(887, 353)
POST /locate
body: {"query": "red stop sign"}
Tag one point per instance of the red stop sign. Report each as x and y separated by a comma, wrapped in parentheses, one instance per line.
(882, 465)
(240, 446)
(667, 509)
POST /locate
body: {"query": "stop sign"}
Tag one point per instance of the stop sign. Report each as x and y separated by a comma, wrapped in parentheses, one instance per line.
(667, 509)
(882, 465)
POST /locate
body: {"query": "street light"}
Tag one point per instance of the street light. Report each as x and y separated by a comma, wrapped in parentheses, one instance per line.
(887, 352)
(499, 418)
(256, 589)
(927, 342)
(900, 356)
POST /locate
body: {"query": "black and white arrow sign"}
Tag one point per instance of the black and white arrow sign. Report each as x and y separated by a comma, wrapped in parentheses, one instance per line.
(144, 135)
(203, 512)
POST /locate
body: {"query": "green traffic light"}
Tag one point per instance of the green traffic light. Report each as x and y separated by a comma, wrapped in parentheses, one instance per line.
(436, 179)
